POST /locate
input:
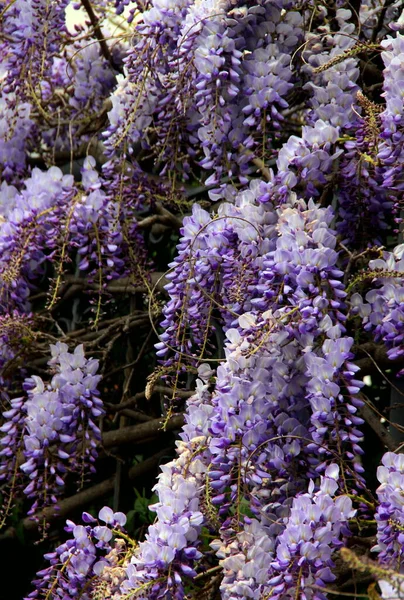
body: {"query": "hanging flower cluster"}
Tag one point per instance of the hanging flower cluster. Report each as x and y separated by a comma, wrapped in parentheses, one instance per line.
(96, 552)
(55, 428)
(383, 312)
(389, 515)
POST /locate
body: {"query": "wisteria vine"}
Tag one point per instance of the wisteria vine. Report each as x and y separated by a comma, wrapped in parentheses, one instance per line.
(201, 232)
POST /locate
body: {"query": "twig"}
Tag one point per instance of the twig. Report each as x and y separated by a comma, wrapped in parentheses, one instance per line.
(162, 389)
(209, 572)
(138, 433)
(98, 34)
(163, 216)
(135, 415)
(123, 285)
(78, 501)
(95, 148)
(105, 334)
(266, 173)
(381, 372)
(141, 395)
(327, 590)
(374, 422)
(380, 20)
(375, 354)
(123, 418)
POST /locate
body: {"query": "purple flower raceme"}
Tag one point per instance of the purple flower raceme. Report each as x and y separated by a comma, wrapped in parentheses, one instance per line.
(11, 443)
(217, 82)
(56, 425)
(267, 76)
(371, 171)
(214, 56)
(168, 555)
(382, 310)
(391, 150)
(390, 513)
(33, 33)
(243, 76)
(305, 163)
(333, 86)
(93, 78)
(33, 38)
(14, 140)
(162, 564)
(245, 561)
(89, 564)
(364, 208)
(296, 554)
(291, 276)
(16, 336)
(193, 281)
(94, 228)
(90, 79)
(105, 230)
(254, 427)
(303, 277)
(284, 401)
(29, 231)
(50, 218)
(315, 528)
(218, 261)
(43, 78)
(147, 73)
